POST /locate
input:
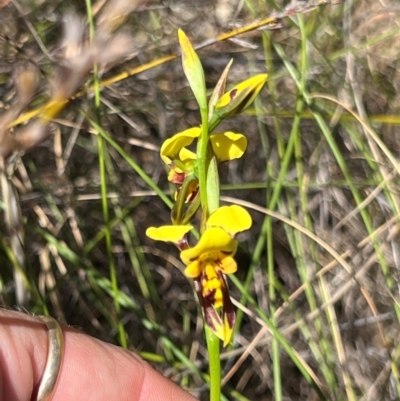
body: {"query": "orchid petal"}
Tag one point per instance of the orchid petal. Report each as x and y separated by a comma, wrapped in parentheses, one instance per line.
(228, 265)
(241, 96)
(193, 270)
(228, 329)
(232, 219)
(172, 147)
(214, 239)
(187, 156)
(214, 322)
(228, 146)
(228, 313)
(168, 233)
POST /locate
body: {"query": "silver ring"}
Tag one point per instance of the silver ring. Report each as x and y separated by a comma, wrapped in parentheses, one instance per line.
(54, 359)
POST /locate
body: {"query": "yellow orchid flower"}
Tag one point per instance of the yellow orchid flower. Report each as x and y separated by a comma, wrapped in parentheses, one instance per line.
(226, 146)
(210, 260)
(207, 263)
(182, 161)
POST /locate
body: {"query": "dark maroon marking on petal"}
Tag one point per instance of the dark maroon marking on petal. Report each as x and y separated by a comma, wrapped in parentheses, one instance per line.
(230, 317)
(222, 277)
(210, 297)
(198, 285)
(233, 93)
(211, 316)
(227, 253)
(243, 104)
(227, 306)
(183, 243)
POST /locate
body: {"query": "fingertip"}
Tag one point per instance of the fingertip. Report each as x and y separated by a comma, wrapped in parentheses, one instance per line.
(166, 389)
(103, 372)
(95, 370)
(23, 349)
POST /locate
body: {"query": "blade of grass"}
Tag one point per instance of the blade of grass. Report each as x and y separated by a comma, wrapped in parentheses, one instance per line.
(343, 167)
(103, 179)
(132, 163)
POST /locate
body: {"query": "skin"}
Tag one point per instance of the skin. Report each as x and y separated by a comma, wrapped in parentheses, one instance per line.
(91, 369)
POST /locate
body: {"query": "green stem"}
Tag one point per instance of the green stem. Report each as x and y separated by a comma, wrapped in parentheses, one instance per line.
(215, 364)
(202, 162)
(209, 202)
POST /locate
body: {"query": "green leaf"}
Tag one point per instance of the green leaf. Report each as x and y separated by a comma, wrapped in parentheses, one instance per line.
(212, 185)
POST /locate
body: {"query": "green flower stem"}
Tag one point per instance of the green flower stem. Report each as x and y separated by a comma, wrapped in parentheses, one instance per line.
(209, 202)
(215, 364)
(202, 162)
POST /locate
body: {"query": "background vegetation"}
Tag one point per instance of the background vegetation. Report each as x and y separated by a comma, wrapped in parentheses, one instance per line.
(320, 178)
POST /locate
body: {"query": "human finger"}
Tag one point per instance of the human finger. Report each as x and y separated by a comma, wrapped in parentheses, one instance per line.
(91, 369)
